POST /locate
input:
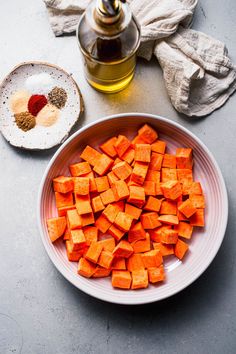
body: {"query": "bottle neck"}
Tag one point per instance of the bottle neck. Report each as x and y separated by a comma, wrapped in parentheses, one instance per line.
(108, 12)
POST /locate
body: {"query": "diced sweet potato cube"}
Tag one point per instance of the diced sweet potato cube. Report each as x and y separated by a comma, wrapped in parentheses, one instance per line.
(137, 140)
(81, 185)
(142, 245)
(156, 275)
(184, 229)
(108, 197)
(102, 184)
(63, 210)
(156, 161)
(154, 176)
(121, 279)
(149, 187)
(180, 249)
(171, 189)
(86, 268)
(112, 178)
(192, 188)
(79, 169)
(153, 204)
(168, 174)
(139, 172)
(136, 195)
(73, 219)
(148, 134)
(118, 263)
(83, 205)
(128, 156)
(123, 249)
(122, 170)
(108, 147)
(169, 237)
(73, 256)
(91, 234)
(94, 252)
(152, 258)
(136, 232)
(121, 145)
(90, 155)
(121, 189)
(139, 279)
(169, 219)
(184, 158)
(101, 272)
(77, 239)
(159, 146)
(92, 184)
(185, 176)
(187, 208)
(87, 219)
(155, 234)
(64, 199)
(102, 224)
(116, 233)
(169, 161)
(133, 211)
(56, 227)
(105, 259)
(103, 164)
(198, 201)
(135, 262)
(197, 219)
(166, 250)
(168, 207)
(97, 204)
(63, 184)
(110, 212)
(108, 244)
(123, 221)
(142, 152)
(150, 220)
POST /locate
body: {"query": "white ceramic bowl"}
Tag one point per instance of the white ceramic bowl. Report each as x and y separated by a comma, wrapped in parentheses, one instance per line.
(205, 242)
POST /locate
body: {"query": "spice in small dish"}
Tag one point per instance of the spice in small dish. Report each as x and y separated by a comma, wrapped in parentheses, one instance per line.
(58, 97)
(19, 101)
(25, 121)
(36, 103)
(48, 115)
(39, 83)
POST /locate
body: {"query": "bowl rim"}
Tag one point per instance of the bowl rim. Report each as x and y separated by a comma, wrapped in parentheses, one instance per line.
(118, 300)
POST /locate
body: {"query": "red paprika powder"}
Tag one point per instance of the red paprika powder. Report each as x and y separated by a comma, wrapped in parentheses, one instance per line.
(36, 103)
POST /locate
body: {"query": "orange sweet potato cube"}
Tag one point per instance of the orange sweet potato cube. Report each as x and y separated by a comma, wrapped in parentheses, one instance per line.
(154, 176)
(105, 259)
(139, 279)
(152, 258)
(180, 249)
(139, 172)
(91, 234)
(102, 224)
(102, 184)
(123, 221)
(187, 208)
(197, 200)
(149, 187)
(81, 185)
(184, 229)
(103, 164)
(184, 158)
(73, 256)
(83, 205)
(192, 188)
(64, 199)
(121, 145)
(63, 210)
(108, 147)
(108, 244)
(169, 236)
(185, 176)
(120, 189)
(133, 211)
(148, 134)
(86, 268)
(123, 249)
(155, 234)
(156, 274)
(116, 233)
(108, 197)
(137, 140)
(168, 174)
(90, 155)
(165, 249)
(136, 195)
(94, 252)
(56, 227)
(171, 189)
(142, 152)
(73, 219)
(63, 184)
(153, 204)
(112, 178)
(128, 156)
(156, 161)
(79, 169)
(169, 161)
(92, 184)
(97, 204)
(168, 207)
(87, 219)
(118, 263)
(135, 262)
(77, 239)
(197, 219)
(101, 272)
(136, 232)
(142, 245)
(150, 220)
(121, 279)
(122, 170)
(159, 146)
(169, 219)
(110, 212)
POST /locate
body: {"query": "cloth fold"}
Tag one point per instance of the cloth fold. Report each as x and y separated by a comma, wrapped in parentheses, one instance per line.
(199, 76)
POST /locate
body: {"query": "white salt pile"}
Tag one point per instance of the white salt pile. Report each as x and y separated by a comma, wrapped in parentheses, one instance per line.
(39, 84)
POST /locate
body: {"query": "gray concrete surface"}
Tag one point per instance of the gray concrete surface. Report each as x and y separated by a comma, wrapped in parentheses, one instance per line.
(40, 312)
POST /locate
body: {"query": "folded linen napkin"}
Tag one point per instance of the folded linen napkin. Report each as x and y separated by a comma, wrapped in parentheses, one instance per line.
(198, 73)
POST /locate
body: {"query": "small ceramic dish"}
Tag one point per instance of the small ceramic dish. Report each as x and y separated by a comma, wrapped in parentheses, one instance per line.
(40, 137)
(205, 242)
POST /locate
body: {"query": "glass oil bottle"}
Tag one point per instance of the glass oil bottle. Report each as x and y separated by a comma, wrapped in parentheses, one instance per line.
(108, 36)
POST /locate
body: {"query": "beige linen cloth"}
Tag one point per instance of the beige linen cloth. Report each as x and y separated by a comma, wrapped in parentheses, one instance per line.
(198, 74)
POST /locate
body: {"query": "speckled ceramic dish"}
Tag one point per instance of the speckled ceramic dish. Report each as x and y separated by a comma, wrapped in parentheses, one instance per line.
(40, 137)
(205, 242)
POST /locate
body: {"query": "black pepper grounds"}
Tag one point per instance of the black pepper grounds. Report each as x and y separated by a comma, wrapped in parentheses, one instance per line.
(25, 121)
(58, 97)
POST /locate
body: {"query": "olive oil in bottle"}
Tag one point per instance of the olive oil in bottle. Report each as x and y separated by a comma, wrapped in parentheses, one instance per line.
(108, 37)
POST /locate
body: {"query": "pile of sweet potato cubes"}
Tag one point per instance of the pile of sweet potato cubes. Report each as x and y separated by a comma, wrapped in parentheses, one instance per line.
(126, 208)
